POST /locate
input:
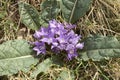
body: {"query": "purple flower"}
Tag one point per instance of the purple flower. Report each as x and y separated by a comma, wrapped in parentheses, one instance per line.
(54, 44)
(72, 50)
(60, 37)
(39, 47)
(71, 54)
(69, 26)
(62, 46)
(42, 32)
(53, 23)
(56, 28)
(80, 45)
(48, 40)
(73, 38)
(37, 34)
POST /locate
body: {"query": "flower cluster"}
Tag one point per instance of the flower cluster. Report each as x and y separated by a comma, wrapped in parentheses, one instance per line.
(60, 37)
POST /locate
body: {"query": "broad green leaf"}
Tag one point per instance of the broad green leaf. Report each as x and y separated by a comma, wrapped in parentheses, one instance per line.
(15, 55)
(100, 47)
(29, 16)
(66, 75)
(50, 10)
(45, 65)
(72, 10)
(42, 67)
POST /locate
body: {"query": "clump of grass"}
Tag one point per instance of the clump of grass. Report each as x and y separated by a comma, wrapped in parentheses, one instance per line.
(103, 18)
(8, 24)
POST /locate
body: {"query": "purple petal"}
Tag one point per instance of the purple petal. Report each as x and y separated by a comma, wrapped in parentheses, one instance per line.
(70, 56)
(43, 31)
(69, 26)
(62, 39)
(37, 34)
(80, 45)
(62, 46)
(37, 43)
(47, 40)
(52, 23)
(40, 48)
(54, 44)
(70, 46)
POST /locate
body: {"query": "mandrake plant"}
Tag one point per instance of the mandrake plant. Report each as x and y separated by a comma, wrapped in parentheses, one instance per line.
(60, 35)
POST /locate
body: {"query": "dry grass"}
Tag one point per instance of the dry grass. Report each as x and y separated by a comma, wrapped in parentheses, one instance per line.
(103, 18)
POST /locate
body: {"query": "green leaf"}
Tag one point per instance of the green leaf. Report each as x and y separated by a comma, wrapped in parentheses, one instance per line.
(72, 10)
(118, 38)
(15, 55)
(42, 67)
(29, 16)
(45, 65)
(50, 10)
(100, 47)
(66, 75)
